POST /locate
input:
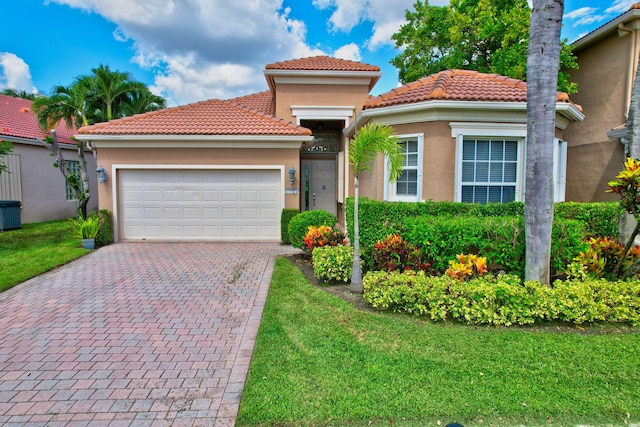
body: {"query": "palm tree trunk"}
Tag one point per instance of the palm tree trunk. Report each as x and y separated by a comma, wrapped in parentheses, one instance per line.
(356, 274)
(542, 82)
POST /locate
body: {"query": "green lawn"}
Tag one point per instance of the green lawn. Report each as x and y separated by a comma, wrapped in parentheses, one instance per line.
(319, 361)
(36, 248)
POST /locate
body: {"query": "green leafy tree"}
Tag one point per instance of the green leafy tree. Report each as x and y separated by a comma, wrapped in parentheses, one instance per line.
(489, 36)
(370, 141)
(542, 77)
(5, 148)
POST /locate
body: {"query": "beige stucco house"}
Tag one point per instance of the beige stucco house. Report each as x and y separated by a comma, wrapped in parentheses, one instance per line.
(608, 60)
(220, 169)
(32, 178)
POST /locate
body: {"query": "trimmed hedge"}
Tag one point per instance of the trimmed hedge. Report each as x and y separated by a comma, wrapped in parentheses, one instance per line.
(379, 219)
(299, 225)
(601, 219)
(500, 239)
(285, 218)
(504, 299)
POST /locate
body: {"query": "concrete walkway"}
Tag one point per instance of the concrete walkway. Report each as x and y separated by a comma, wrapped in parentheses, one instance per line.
(135, 334)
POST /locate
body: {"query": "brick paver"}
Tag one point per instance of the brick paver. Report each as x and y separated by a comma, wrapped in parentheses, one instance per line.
(135, 334)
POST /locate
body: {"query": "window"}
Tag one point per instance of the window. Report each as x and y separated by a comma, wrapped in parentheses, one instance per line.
(408, 187)
(73, 167)
(490, 162)
(489, 170)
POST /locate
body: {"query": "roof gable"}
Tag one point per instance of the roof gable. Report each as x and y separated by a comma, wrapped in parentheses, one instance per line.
(212, 117)
(18, 121)
(321, 70)
(321, 63)
(457, 85)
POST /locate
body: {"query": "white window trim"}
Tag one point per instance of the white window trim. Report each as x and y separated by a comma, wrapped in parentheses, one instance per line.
(69, 194)
(389, 187)
(518, 131)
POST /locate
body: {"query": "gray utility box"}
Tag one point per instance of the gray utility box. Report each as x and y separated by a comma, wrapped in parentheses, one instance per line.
(10, 215)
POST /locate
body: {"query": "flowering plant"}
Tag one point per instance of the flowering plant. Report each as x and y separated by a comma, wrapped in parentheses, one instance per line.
(321, 236)
(394, 253)
(467, 266)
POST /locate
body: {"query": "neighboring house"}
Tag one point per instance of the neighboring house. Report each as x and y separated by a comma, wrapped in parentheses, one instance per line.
(607, 59)
(218, 170)
(31, 178)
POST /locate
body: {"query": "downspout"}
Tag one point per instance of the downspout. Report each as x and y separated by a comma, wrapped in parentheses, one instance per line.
(633, 63)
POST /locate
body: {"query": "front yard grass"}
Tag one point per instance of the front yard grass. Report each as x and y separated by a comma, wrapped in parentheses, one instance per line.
(321, 362)
(35, 249)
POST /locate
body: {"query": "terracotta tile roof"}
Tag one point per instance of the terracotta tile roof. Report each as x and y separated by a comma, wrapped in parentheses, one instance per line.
(322, 63)
(457, 85)
(212, 117)
(17, 120)
(263, 102)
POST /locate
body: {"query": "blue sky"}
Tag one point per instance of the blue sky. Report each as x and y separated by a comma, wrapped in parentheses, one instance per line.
(191, 50)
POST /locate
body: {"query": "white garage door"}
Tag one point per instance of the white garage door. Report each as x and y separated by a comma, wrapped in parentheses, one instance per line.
(200, 204)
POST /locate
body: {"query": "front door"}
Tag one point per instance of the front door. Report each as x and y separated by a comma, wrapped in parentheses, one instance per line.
(319, 185)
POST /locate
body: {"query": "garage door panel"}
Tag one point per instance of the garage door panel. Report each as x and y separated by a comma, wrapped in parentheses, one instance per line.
(210, 195)
(200, 204)
(230, 196)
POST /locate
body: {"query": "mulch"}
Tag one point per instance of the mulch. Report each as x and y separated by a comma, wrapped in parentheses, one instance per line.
(303, 262)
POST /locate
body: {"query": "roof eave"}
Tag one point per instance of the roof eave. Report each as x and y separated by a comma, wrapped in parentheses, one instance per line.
(598, 33)
(271, 74)
(195, 141)
(568, 110)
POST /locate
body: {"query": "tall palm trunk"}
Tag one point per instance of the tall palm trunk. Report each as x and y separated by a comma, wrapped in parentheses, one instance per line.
(356, 273)
(542, 82)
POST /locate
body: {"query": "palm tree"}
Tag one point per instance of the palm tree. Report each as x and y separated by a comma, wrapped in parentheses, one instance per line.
(18, 94)
(109, 87)
(542, 80)
(369, 141)
(68, 103)
(142, 101)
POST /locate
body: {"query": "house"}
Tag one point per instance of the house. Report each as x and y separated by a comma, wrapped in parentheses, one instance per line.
(608, 60)
(32, 179)
(224, 169)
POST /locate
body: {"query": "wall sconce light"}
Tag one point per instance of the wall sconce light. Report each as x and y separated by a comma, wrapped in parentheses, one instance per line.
(102, 174)
(292, 177)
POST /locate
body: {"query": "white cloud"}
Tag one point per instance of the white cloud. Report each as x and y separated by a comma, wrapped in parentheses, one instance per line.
(350, 51)
(204, 48)
(15, 73)
(386, 18)
(580, 13)
(620, 6)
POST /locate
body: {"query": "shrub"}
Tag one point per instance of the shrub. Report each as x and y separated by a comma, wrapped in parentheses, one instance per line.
(600, 219)
(105, 232)
(333, 263)
(504, 299)
(409, 292)
(466, 267)
(299, 225)
(602, 256)
(323, 235)
(499, 239)
(285, 218)
(395, 253)
(379, 219)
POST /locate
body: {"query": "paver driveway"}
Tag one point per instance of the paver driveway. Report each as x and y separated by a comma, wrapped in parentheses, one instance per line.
(135, 334)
